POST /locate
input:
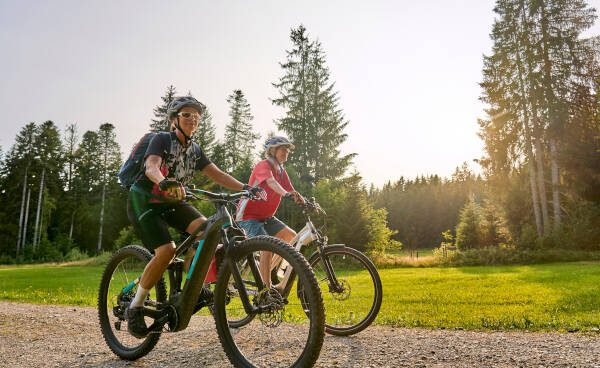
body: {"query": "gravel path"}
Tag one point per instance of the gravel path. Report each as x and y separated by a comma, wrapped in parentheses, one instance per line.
(60, 336)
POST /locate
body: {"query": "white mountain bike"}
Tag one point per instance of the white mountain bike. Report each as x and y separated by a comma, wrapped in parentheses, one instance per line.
(349, 281)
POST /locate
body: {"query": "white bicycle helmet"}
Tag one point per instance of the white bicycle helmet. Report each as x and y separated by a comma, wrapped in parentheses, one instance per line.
(277, 141)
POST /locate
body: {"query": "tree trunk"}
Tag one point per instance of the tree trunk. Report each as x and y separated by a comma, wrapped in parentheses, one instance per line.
(542, 185)
(22, 209)
(39, 206)
(101, 218)
(528, 149)
(26, 218)
(71, 227)
(40, 231)
(555, 184)
(532, 184)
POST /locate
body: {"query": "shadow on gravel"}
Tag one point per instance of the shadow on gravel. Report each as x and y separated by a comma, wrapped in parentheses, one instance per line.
(348, 350)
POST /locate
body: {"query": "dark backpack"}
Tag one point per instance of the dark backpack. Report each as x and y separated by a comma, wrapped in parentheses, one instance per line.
(135, 162)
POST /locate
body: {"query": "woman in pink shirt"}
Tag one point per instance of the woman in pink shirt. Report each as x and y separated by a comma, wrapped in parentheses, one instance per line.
(257, 217)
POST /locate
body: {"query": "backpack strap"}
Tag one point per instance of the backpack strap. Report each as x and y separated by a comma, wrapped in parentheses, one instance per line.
(166, 152)
(139, 144)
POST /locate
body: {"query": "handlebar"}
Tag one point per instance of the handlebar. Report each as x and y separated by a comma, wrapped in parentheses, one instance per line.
(311, 205)
(192, 193)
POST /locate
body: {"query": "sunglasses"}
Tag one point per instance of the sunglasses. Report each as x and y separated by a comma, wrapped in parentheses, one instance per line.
(189, 115)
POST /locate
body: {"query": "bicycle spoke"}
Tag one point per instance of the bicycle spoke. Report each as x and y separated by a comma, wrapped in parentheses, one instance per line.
(352, 303)
(280, 324)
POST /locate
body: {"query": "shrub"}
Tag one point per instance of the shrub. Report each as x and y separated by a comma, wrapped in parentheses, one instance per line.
(63, 243)
(528, 238)
(126, 237)
(507, 255)
(6, 259)
(100, 260)
(47, 252)
(582, 228)
(75, 255)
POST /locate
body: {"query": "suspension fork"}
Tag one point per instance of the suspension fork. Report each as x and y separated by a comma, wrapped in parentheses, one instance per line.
(239, 282)
(334, 285)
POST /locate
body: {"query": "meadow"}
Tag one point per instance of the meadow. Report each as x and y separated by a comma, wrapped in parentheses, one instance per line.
(551, 297)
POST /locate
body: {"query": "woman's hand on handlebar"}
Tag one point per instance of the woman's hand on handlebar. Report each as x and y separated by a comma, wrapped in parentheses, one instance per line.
(172, 189)
(297, 197)
(256, 193)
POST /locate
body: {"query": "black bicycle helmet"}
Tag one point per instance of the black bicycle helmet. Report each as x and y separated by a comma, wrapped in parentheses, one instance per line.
(180, 102)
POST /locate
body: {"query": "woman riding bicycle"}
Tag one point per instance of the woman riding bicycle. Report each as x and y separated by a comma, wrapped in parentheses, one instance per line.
(156, 198)
(257, 218)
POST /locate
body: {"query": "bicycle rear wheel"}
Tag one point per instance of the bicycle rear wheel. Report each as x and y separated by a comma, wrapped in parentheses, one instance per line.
(283, 334)
(122, 269)
(354, 302)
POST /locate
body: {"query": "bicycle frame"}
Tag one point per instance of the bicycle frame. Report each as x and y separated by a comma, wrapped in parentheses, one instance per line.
(308, 234)
(183, 303)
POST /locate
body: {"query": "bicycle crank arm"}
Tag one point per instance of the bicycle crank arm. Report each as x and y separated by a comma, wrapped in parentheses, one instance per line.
(158, 324)
(155, 314)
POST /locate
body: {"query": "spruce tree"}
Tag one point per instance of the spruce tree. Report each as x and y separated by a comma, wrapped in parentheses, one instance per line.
(161, 123)
(467, 230)
(110, 162)
(17, 172)
(313, 121)
(240, 138)
(511, 92)
(48, 151)
(562, 59)
(71, 138)
(205, 135)
(536, 59)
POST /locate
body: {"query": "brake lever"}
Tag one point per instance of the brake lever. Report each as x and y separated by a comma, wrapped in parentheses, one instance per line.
(189, 194)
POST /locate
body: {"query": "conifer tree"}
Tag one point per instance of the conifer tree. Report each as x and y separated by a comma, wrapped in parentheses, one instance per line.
(536, 58)
(17, 170)
(313, 120)
(507, 86)
(205, 135)
(161, 123)
(110, 162)
(48, 149)
(467, 230)
(87, 163)
(562, 58)
(240, 137)
(71, 139)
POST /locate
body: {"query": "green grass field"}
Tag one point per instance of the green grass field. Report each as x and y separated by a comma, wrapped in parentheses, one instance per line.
(562, 297)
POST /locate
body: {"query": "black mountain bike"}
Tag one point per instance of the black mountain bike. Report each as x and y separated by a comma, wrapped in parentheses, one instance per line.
(349, 281)
(301, 322)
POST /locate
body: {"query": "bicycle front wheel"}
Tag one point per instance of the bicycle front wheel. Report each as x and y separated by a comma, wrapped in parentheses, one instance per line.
(125, 266)
(282, 332)
(353, 302)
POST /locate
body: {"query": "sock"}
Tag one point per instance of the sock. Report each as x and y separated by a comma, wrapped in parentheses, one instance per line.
(140, 297)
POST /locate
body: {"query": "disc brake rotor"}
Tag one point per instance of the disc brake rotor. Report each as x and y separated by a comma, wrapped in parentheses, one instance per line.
(273, 302)
(344, 291)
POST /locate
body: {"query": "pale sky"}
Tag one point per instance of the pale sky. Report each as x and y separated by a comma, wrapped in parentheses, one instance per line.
(407, 72)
